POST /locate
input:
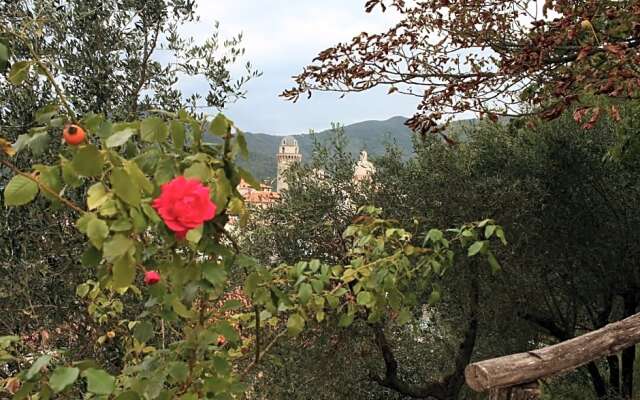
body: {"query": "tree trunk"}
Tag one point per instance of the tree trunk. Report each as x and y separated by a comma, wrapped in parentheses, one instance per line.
(450, 386)
(629, 354)
(614, 373)
(599, 384)
(529, 391)
(517, 369)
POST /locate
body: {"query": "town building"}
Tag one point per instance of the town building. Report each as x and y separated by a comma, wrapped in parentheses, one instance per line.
(288, 154)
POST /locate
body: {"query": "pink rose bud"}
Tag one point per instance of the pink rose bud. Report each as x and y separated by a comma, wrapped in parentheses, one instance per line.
(184, 204)
(151, 277)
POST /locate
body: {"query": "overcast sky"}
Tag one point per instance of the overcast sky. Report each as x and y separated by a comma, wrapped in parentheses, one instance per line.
(281, 37)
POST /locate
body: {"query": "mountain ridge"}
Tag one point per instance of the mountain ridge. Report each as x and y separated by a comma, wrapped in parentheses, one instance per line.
(370, 135)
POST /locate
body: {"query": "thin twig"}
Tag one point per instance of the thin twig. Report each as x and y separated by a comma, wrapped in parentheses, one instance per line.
(266, 349)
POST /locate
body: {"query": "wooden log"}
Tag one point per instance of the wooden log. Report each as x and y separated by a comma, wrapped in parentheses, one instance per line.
(530, 391)
(517, 369)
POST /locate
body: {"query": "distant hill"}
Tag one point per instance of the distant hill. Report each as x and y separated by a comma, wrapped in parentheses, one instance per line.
(371, 136)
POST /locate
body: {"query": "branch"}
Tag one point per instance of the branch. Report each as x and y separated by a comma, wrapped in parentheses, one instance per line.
(265, 351)
(446, 388)
(44, 187)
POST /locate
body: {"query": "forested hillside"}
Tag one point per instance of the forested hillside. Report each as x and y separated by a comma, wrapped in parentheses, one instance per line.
(372, 136)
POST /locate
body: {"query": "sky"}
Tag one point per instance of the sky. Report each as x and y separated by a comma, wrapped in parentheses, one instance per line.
(280, 38)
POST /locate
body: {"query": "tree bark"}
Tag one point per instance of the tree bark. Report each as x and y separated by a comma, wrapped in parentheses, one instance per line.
(529, 391)
(629, 354)
(526, 367)
(450, 386)
(614, 373)
(599, 385)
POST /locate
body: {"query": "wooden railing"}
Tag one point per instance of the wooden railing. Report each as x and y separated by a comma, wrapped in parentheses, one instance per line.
(515, 377)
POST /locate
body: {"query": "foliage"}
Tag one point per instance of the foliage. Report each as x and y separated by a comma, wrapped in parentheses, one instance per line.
(116, 58)
(569, 210)
(171, 341)
(494, 58)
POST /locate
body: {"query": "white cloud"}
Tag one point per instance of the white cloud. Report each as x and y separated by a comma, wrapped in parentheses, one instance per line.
(281, 37)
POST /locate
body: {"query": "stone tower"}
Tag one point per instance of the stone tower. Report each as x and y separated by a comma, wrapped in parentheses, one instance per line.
(288, 153)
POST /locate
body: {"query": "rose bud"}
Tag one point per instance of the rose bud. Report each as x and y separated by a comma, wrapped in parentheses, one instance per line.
(151, 277)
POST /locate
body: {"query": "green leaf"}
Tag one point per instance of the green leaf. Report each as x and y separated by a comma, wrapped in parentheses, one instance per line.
(83, 222)
(176, 128)
(40, 363)
(345, 320)
(435, 296)
(305, 292)
(165, 171)
(38, 142)
(226, 330)
(179, 370)
(150, 213)
(181, 309)
(143, 331)
(121, 225)
(139, 177)
(435, 235)
(493, 262)
(194, 235)
(62, 378)
(248, 177)
(475, 248)
(365, 298)
(153, 129)
(120, 137)
(82, 290)
(489, 230)
(88, 161)
(19, 72)
(124, 272)
(97, 231)
(99, 382)
(91, 257)
(96, 196)
(44, 115)
(128, 395)
(219, 126)
(404, 316)
(199, 171)
(4, 57)
(139, 221)
(124, 187)
(19, 191)
(214, 273)
(49, 177)
(500, 235)
(242, 144)
(69, 175)
(221, 190)
(117, 246)
(295, 324)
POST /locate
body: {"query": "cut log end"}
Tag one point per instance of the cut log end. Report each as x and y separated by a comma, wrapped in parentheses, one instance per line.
(477, 378)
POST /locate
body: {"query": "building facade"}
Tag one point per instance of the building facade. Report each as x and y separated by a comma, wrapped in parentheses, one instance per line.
(288, 154)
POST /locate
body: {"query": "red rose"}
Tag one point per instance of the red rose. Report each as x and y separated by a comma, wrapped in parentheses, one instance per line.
(184, 204)
(151, 277)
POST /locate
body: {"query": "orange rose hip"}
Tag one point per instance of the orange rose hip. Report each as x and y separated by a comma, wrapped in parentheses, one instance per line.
(73, 134)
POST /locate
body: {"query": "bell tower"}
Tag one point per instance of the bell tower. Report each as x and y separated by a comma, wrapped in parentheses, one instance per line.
(288, 153)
